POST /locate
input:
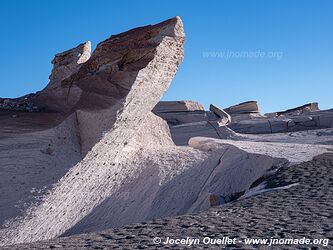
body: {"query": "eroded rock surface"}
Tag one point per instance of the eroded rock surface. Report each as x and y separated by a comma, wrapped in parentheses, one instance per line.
(180, 112)
(244, 111)
(282, 124)
(177, 106)
(68, 62)
(302, 210)
(109, 99)
(301, 110)
(243, 108)
(223, 117)
(18, 104)
(94, 156)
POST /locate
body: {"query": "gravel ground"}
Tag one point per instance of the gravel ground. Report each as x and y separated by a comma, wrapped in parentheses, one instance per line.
(303, 210)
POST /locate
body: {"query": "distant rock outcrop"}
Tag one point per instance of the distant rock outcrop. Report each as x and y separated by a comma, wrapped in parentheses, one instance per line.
(285, 123)
(243, 108)
(244, 111)
(18, 104)
(301, 110)
(177, 106)
(180, 112)
(224, 117)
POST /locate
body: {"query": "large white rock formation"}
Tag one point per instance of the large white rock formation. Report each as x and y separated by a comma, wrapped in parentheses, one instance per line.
(95, 156)
(108, 99)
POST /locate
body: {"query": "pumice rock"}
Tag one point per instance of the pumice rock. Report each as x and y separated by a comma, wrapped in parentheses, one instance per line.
(244, 111)
(224, 117)
(177, 106)
(117, 162)
(109, 98)
(243, 108)
(55, 96)
(93, 156)
(301, 110)
(297, 119)
(18, 104)
(180, 112)
(300, 192)
(69, 62)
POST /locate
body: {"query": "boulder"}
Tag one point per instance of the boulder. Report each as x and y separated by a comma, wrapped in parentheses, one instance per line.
(244, 111)
(254, 126)
(177, 106)
(181, 134)
(243, 108)
(223, 117)
(180, 112)
(304, 109)
(283, 124)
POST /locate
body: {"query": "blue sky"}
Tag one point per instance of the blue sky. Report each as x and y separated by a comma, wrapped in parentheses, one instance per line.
(299, 32)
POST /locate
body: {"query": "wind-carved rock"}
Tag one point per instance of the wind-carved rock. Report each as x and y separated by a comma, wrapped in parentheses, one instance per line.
(55, 96)
(244, 111)
(111, 96)
(243, 108)
(180, 112)
(177, 106)
(223, 117)
(104, 159)
(69, 62)
(301, 110)
(123, 71)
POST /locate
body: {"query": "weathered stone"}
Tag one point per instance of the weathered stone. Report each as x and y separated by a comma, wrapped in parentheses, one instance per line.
(323, 119)
(177, 106)
(244, 111)
(280, 125)
(107, 106)
(56, 96)
(249, 116)
(108, 161)
(283, 124)
(223, 117)
(177, 118)
(167, 190)
(251, 127)
(68, 62)
(180, 112)
(304, 109)
(18, 104)
(243, 108)
(308, 204)
(181, 134)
